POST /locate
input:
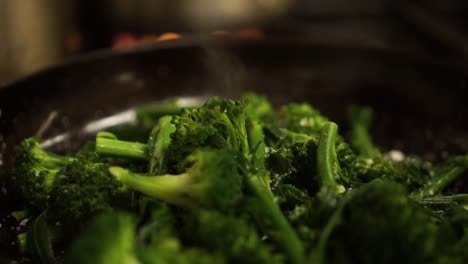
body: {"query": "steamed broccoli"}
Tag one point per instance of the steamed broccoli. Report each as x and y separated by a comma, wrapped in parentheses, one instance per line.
(241, 244)
(212, 180)
(108, 239)
(259, 109)
(35, 172)
(380, 224)
(302, 118)
(86, 189)
(263, 208)
(218, 124)
(234, 181)
(361, 120)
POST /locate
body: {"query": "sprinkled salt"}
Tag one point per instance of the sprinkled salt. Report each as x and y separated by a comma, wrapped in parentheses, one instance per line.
(396, 155)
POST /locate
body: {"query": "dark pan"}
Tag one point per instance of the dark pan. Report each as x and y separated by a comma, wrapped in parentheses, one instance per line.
(420, 103)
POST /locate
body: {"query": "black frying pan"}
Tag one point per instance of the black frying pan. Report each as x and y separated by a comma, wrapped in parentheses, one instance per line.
(420, 103)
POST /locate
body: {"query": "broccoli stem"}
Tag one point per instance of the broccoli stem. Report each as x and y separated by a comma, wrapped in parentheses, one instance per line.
(170, 188)
(121, 148)
(449, 199)
(277, 226)
(438, 183)
(326, 156)
(361, 118)
(159, 141)
(257, 142)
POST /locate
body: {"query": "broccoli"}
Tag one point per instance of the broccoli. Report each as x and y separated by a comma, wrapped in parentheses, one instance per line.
(35, 172)
(212, 180)
(160, 243)
(271, 220)
(259, 109)
(444, 175)
(217, 124)
(328, 168)
(361, 120)
(109, 238)
(242, 244)
(159, 139)
(302, 118)
(381, 224)
(86, 189)
(232, 181)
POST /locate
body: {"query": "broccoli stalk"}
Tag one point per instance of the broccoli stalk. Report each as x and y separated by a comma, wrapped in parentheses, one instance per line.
(270, 218)
(257, 145)
(327, 164)
(159, 139)
(446, 175)
(213, 180)
(35, 172)
(361, 120)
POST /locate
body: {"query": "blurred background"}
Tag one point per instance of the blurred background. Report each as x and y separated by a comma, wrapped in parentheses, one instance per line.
(36, 34)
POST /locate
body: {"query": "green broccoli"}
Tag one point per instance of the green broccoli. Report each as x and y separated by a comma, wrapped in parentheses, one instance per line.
(109, 238)
(241, 244)
(328, 168)
(263, 208)
(259, 109)
(35, 172)
(361, 120)
(302, 118)
(218, 124)
(212, 180)
(444, 175)
(380, 224)
(159, 241)
(86, 189)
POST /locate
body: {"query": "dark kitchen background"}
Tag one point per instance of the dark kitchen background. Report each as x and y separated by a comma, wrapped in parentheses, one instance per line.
(37, 34)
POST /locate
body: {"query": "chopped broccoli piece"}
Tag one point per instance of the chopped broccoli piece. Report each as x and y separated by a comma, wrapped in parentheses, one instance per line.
(361, 120)
(302, 118)
(108, 239)
(241, 244)
(218, 124)
(212, 180)
(86, 189)
(35, 172)
(259, 109)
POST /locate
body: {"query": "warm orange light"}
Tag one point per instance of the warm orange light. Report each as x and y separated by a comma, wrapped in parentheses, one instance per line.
(251, 33)
(169, 36)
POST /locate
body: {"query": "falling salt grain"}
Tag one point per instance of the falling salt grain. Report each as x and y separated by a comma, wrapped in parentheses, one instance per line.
(396, 155)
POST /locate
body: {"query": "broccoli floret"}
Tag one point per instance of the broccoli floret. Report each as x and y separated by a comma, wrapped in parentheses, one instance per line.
(259, 109)
(160, 241)
(35, 172)
(86, 189)
(212, 179)
(241, 244)
(217, 124)
(380, 224)
(109, 238)
(302, 118)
